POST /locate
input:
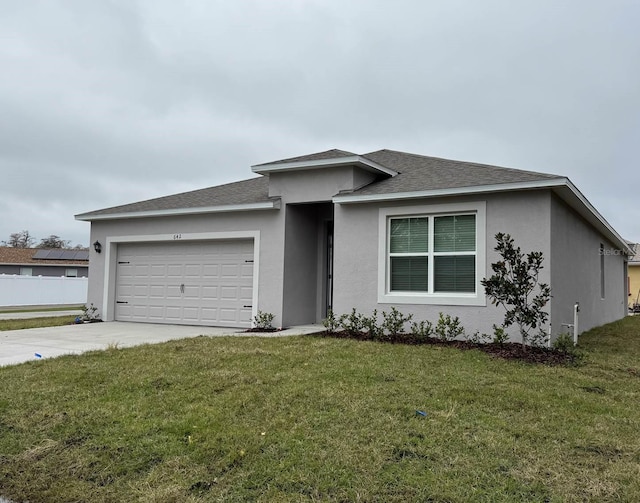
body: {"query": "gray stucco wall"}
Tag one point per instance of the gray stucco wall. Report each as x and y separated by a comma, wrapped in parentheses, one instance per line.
(525, 215)
(316, 185)
(305, 262)
(575, 270)
(270, 224)
(301, 259)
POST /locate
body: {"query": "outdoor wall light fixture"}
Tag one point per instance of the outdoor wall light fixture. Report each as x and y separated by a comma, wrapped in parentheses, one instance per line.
(97, 246)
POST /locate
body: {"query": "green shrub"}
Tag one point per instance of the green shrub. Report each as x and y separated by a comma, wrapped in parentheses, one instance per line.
(448, 328)
(370, 324)
(331, 322)
(478, 338)
(564, 343)
(422, 329)
(394, 322)
(500, 335)
(263, 321)
(352, 323)
(90, 313)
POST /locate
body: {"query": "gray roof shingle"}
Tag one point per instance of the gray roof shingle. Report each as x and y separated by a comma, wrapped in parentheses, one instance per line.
(415, 173)
(253, 190)
(319, 156)
(419, 172)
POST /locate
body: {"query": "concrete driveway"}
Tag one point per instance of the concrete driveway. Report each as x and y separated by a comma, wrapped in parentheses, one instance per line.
(18, 346)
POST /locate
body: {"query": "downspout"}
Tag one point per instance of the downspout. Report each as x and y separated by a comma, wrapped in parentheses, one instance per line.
(576, 310)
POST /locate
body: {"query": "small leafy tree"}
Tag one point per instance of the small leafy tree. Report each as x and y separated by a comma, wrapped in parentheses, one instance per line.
(513, 285)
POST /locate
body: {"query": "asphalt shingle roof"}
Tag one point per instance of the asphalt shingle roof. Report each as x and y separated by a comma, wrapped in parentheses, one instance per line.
(253, 190)
(419, 172)
(319, 156)
(24, 256)
(415, 173)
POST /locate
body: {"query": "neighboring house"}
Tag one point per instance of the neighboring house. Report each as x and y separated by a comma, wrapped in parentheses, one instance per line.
(634, 277)
(44, 262)
(340, 230)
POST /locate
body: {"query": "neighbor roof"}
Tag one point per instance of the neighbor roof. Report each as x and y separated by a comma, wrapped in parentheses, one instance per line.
(24, 256)
(635, 258)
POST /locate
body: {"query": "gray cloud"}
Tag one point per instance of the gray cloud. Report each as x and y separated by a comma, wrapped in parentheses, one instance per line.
(103, 103)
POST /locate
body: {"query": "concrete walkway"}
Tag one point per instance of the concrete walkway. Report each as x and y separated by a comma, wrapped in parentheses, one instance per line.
(18, 346)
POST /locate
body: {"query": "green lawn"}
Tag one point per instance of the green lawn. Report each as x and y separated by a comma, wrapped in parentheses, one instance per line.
(48, 321)
(318, 419)
(36, 309)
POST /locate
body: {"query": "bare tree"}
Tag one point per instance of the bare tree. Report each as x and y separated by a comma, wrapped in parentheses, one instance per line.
(20, 240)
(54, 241)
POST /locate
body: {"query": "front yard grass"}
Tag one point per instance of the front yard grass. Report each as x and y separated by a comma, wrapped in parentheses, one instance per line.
(312, 418)
(37, 309)
(48, 321)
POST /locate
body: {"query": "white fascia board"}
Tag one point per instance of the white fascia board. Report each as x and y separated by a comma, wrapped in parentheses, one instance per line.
(555, 183)
(267, 205)
(455, 191)
(599, 218)
(356, 160)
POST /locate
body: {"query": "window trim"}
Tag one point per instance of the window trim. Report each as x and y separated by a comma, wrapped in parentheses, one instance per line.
(385, 296)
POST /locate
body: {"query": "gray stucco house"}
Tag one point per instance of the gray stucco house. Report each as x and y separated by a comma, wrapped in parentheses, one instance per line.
(340, 230)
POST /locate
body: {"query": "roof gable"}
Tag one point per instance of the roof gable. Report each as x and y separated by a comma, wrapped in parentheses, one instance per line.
(318, 156)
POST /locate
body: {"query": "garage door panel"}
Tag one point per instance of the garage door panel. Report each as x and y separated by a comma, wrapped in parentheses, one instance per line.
(157, 291)
(210, 293)
(200, 283)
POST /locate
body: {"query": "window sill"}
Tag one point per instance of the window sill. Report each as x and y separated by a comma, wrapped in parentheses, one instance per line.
(461, 299)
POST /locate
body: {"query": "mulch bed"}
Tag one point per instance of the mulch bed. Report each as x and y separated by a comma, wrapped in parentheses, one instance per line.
(506, 351)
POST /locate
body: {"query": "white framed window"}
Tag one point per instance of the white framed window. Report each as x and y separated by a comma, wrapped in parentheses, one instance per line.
(432, 254)
(71, 273)
(26, 271)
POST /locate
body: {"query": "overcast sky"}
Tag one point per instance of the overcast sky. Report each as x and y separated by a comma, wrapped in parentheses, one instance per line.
(106, 102)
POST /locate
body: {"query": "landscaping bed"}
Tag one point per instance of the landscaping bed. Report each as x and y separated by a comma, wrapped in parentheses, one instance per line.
(507, 350)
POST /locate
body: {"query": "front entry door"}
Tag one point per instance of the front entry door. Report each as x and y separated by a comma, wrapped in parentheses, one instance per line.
(329, 269)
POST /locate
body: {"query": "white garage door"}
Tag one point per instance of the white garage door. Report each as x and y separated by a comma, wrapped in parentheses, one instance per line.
(187, 283)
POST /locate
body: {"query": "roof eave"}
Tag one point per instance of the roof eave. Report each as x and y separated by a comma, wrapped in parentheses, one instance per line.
(580, 203)
(453, 191)
(265, 205)
(355, 160)
(561, 185)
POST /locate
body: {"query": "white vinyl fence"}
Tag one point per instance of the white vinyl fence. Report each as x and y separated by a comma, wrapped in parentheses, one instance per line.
(41, 290)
